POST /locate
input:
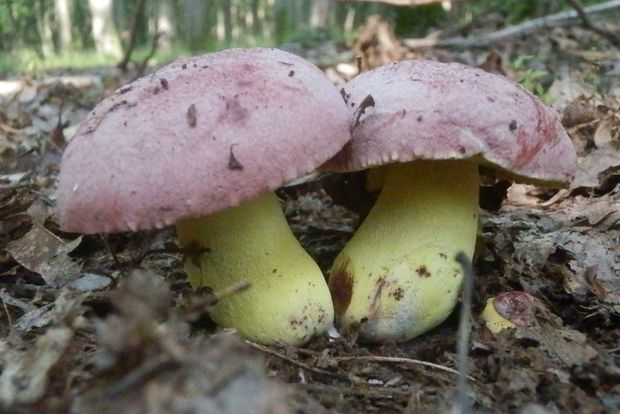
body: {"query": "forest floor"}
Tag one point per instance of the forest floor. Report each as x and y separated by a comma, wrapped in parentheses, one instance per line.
(94, 324)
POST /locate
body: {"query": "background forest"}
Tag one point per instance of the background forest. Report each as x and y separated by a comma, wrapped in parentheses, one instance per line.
(43, 34)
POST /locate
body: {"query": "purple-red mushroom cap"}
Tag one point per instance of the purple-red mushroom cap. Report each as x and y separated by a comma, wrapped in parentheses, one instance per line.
(426, 110)
(434, 124)
(197, 136)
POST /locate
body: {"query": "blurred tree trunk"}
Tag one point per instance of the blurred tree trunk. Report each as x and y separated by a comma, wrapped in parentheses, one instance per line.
(256, 20)
(63, 16)
(133, 35)
(228, 21)
(103, 28)
(349, 22)
(44, 26)
(409, 3)
(196, 20)
(13, 34)
(319, 14)
(165, 22)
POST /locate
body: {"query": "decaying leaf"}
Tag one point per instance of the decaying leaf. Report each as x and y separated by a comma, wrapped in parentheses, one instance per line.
(567, 345)
(566, 244)
(46, 254)
(25, 374)
(593, 168)
(25, 370)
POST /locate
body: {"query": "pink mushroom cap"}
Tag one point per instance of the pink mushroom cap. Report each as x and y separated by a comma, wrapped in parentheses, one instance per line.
(426, 110)
(199, 135)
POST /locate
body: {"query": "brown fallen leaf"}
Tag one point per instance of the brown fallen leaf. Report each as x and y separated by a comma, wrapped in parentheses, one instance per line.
(25, 369)
(593, 168)
(44, 253)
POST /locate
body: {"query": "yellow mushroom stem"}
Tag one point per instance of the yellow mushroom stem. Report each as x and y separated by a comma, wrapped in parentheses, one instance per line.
(493, 320)
(288, 300)
(397, 277)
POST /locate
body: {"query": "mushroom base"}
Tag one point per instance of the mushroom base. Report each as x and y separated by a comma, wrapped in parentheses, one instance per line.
(397, 277)
(287, 301)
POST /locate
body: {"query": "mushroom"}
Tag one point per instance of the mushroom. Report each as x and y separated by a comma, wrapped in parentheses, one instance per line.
(431, 125)
(202, 143)
(508, 310)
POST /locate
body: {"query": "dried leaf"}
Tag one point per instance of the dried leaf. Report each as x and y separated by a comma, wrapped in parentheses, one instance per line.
(568, 345)
(25, 374)
(603, 132)
(42, 252)
(591, 169)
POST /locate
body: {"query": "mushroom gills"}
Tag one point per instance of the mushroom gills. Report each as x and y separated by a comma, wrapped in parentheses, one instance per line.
(397, 277)
(287, 301)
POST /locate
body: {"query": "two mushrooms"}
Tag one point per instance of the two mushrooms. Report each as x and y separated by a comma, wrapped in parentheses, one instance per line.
(203, 142)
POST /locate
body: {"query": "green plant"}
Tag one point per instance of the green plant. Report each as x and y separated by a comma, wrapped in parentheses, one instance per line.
(529, 78)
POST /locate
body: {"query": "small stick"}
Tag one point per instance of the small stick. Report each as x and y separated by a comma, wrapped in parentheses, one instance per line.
(612, 37)
(376, 358)
(462, 348)
(106, 243)
(291, 360)
(8, 314)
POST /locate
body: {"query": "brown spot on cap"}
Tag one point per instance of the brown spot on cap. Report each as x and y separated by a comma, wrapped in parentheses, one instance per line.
(191, 115)
(345, 96)
(513, 125)
(233, 163)
(164, 83)
(366, 103)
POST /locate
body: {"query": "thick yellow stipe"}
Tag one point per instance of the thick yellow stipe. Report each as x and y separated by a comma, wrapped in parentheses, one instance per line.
(397, 277)
(288, 300)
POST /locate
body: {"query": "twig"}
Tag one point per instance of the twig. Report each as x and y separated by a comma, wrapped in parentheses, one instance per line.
(462, 346)
(106, 243)
(372, 392)
(8, 314)
(139, 12)
(147, 371)
(612, 37)
(399, 360)
(557, 19)
(145, 61)
(198, 306)
(403, 3)
(291, 360)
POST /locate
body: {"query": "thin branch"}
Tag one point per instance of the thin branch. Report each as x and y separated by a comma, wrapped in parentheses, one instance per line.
(404, 3)
(611, 36)
(399, 360)
(139, 12)
(291, 360)
(462, 346)
(145, 62)
(552, 20)
(7, 313)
